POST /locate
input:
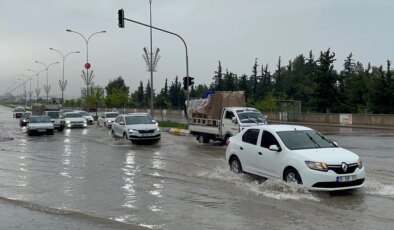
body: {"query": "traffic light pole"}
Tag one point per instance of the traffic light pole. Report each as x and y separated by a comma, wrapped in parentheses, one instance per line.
(122, 18)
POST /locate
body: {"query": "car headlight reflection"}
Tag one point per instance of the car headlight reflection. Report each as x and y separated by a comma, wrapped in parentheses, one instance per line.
(317, 165)
(67, 122)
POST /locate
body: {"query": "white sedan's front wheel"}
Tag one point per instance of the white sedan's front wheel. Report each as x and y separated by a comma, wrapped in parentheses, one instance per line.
(125, 136)
(292, 176)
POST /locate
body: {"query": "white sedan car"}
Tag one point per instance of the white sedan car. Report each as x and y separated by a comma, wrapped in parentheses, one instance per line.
(295, 154)
(74, 120)
(39, 125)
(87, 116)
(136, 128)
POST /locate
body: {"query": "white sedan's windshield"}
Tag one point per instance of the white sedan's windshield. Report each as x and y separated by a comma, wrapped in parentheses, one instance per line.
(304, 139)
(73, 115)
(84, 113)
(111, 115)
(40, 120)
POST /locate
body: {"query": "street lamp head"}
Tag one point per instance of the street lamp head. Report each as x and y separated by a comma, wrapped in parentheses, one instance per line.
(69, 30)
(77, 52)
(51, 48)
(103, 31)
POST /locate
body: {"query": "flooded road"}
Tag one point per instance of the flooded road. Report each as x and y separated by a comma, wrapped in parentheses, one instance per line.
(83, 179)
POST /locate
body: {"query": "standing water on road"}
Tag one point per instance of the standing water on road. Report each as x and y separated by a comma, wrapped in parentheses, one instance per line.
(83, 178)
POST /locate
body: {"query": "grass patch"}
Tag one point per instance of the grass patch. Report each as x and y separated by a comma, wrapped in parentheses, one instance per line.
(172, 124)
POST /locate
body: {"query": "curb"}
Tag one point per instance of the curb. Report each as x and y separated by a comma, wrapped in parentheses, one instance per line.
(179, 132)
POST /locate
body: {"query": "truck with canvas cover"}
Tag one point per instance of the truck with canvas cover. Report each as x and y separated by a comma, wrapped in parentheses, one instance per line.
(221, 115)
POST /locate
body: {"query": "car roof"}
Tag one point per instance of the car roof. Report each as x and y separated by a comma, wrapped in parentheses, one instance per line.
(111, 112)
(135, 114)
(71, 112)
(279, 128)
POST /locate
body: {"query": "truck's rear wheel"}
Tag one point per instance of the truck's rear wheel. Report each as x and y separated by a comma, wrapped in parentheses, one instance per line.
(203, 139)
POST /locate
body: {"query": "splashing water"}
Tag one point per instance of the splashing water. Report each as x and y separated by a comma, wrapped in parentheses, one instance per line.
(272, 188)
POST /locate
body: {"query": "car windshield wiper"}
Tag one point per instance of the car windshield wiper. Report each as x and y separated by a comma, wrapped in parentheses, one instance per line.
(313, 140)
(324, 138)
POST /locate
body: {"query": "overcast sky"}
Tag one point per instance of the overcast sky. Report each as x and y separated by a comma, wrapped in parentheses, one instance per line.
(234, 32)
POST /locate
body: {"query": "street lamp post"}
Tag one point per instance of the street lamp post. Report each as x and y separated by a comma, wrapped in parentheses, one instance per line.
(38, 90)
(62, 83)
(169, 32)
(47, 87)
(151, 60)
(24, 90)
(88, 77)
(30, 92)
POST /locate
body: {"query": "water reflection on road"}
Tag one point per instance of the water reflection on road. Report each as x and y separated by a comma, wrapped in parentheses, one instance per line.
(182, 184)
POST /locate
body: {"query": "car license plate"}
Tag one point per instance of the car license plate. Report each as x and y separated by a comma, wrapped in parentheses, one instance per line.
(146, 134)
(346, 178)
(42, 130)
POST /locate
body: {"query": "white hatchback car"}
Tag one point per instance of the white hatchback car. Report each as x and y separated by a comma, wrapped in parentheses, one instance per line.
(136, 128)
(295, 154)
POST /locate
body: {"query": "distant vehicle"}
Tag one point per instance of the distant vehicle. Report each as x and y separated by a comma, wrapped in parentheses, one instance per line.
(74, 120)
(57, 120)
(107, 118)
(39, 125)
(63, 111)
(295, 154)
(18, 111)
(87, 116)
(24, 118)
(137, 128)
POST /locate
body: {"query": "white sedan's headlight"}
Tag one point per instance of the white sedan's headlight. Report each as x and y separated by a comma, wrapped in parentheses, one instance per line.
(360, 163)
(133, 130)
(158, 129)
(317, 165)
(67, 122)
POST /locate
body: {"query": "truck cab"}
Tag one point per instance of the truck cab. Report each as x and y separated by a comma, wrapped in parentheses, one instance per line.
(235, 119)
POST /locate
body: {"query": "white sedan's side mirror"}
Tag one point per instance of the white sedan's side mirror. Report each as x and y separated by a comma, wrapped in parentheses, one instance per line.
(335, 143)
(121, 123)
(274, 148)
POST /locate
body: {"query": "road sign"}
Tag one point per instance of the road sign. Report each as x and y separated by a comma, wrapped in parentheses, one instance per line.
(87, 65)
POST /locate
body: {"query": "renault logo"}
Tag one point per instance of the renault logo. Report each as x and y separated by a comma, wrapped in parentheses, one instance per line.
(344, 166)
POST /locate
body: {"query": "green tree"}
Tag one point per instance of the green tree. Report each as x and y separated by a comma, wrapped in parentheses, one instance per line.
(218, 79)
(326, 78)
(96, 97)
(117, 93)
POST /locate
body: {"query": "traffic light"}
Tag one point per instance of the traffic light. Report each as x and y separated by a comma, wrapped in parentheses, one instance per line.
(185, 83)
(191, 81)
(121, 18)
